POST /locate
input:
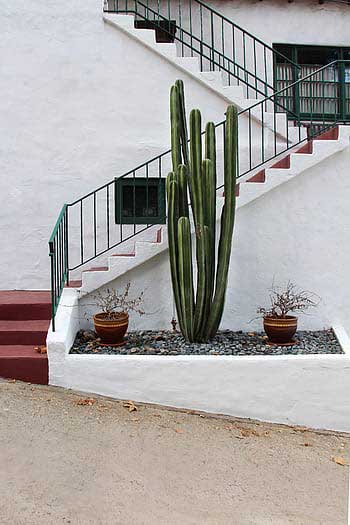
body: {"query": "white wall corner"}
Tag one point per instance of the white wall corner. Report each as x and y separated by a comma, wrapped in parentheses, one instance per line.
(59, 342)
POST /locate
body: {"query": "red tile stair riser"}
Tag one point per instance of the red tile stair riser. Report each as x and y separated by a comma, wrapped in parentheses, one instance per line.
(24, 321)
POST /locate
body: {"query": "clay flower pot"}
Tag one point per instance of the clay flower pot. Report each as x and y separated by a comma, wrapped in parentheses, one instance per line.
(280, 330)
(111, 331)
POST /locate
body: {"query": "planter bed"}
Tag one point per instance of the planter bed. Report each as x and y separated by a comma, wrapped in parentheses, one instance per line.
(226, 343)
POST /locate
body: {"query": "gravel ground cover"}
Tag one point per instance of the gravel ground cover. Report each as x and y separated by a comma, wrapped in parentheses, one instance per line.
(226, 342)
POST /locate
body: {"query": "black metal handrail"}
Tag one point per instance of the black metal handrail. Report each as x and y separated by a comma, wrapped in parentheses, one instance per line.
(220, 44)
(92, 226)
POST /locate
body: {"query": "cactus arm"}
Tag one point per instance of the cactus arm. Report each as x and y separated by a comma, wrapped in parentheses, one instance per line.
(185, 276)
(183, 194)
(175, 132)
(209, 199)
(172, 194)
(197, 190)
(182, 120)
(227, 220)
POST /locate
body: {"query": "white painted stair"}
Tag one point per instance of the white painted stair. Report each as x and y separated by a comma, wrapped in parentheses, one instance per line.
(250, 188)
(211, 79)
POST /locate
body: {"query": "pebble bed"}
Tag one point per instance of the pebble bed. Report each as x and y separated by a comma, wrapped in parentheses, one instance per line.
(226, 342)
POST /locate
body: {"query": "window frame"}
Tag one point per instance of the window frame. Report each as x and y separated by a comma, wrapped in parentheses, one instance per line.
(120, 183)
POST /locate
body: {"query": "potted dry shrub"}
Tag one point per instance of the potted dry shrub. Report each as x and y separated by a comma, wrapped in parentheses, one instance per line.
(111, 323)
(279, 325)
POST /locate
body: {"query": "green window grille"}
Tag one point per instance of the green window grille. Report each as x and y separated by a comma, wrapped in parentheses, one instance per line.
(322, 96)
(140, 201)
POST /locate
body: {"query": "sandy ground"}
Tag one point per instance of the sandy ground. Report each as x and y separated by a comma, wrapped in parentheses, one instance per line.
(67, 460)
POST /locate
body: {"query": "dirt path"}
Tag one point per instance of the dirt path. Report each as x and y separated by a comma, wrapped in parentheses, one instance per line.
(63, 462)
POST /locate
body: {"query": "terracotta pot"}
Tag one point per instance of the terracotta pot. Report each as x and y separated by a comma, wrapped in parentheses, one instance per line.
(111, 331)
(280, 330)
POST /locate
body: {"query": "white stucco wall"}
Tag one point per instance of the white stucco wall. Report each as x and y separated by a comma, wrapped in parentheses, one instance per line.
(81, 103)
(278, 21)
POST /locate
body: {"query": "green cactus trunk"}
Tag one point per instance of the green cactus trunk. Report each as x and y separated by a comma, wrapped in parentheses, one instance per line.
(199, 312)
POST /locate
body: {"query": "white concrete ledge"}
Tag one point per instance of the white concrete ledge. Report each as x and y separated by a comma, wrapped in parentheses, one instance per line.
(311, 390)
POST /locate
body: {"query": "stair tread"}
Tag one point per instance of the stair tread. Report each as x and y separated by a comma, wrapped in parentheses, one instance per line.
(28, 325)
(123, 255)
(24, 297)
(20, 351)
(74, 284)
(97, 269)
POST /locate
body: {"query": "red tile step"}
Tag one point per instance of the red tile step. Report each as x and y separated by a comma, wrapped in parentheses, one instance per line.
(306, 148)
(258, 177)
(123, 254)
(24, 321)
(74, 284)
(282, 163)
(25, 332)
(23, 363)
(20, 305)
(330, 134)
(97, 269)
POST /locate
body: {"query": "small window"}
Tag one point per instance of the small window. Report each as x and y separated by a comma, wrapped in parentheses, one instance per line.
(140, 201)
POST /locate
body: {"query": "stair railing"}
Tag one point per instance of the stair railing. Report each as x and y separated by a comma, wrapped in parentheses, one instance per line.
(106, 217)
(220, 44)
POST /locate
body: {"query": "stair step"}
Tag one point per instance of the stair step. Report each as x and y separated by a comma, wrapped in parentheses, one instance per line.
(25, 332)
(74, 284)
(283, 163)
(23, 363)
(24, 305)
(258, 177)
(306, 148)
(97, 269)
(123, 255)
(330, 134)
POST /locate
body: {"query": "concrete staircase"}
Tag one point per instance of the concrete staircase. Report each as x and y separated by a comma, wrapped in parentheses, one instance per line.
(24, 322)
(212, 80)
(248, 189)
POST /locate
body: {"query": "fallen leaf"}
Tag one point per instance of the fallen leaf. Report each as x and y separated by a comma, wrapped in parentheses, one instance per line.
(88, 401)
(41, 349)
(130, 406)
(248, 432)
(339, 460)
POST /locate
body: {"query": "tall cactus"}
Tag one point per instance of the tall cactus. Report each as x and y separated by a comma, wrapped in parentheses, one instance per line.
(199, 308)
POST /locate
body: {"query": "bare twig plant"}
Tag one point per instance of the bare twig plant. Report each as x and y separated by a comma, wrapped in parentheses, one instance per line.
(284, 301)
(112, 302)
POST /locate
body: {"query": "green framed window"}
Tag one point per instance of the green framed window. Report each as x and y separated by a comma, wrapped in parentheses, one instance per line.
(140, 200)
(322, 96)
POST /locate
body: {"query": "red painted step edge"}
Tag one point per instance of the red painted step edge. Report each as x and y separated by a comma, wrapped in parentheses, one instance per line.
(258, 177)
(25, 332)
(24, 364)
(22, 305)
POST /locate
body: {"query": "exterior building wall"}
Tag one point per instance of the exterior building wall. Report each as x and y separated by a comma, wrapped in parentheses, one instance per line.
(278, 21)
(81, 103)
